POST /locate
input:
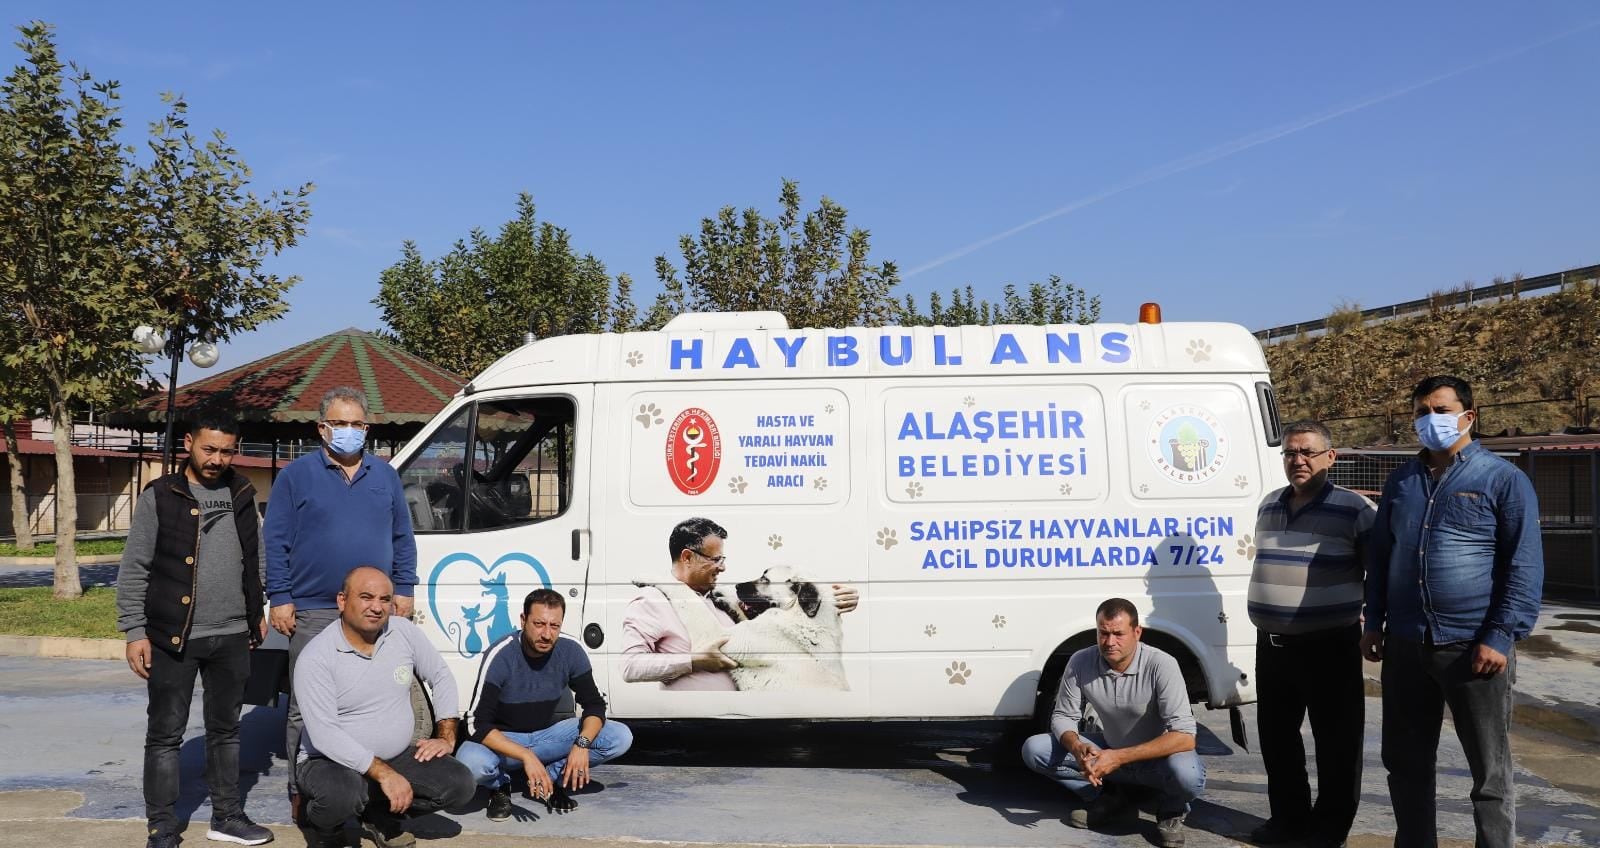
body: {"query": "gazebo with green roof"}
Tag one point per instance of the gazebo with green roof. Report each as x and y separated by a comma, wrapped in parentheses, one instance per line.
(276, 398)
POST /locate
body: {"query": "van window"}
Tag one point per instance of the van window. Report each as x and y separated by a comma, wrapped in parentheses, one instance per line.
(432, 477)
(521, 461)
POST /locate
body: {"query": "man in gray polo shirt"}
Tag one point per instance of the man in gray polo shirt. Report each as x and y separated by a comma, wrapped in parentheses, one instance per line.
(357, 755)
(1146, 729)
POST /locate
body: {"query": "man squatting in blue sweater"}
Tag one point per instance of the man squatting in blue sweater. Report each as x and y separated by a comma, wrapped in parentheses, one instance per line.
(522, 678)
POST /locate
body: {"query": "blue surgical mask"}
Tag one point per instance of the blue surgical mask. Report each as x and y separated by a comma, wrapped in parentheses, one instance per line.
(347, 440)
(1438, 430)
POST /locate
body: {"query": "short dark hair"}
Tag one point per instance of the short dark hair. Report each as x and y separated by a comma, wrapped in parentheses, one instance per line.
(690, 533)
(1112, 607)
(1309, 426)
(220, 420)
(544, 598)
(1444, 381)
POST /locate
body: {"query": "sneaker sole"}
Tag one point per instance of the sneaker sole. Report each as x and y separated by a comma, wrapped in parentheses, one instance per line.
(497, 818)
(219, 836)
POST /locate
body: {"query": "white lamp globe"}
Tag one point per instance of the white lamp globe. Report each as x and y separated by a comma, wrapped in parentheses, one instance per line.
(148, 339)
(204, 354)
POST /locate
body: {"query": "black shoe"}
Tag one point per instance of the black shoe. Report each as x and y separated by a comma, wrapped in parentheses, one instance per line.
(238, 829)
(386, 830)
(1278, 830)
(330, 839)
(1109, 808)
(1169, 831)
(499, 804)
(161, 840)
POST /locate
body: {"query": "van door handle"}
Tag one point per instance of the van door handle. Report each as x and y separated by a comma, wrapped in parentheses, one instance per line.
(577, 545)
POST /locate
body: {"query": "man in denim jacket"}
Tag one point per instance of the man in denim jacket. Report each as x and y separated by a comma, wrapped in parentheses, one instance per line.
(1454, 573)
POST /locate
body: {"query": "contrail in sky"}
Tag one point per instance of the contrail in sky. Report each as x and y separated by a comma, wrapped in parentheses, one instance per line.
(1239, 145)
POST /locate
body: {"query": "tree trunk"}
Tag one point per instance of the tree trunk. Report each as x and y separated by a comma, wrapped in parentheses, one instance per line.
(68, 585)
(19, 489)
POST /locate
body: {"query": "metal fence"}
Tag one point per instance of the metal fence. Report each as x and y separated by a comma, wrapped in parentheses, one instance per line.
(1566, 483)
(97, 512)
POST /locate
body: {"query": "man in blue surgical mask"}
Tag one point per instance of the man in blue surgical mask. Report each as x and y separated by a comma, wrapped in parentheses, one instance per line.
(1454, 572)
(330, 511)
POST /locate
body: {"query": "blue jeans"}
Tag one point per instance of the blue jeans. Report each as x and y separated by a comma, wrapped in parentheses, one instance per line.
(1179, 778)
(550, 745)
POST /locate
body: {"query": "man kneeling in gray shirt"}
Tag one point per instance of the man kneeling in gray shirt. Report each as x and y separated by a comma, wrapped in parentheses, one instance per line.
(1147, 729)
(358, 757)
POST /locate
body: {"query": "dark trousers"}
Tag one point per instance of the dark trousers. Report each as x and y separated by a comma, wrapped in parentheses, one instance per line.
(332, 793)
(1320, 674)
(1418, 681)
(223, 665)
(307, 624)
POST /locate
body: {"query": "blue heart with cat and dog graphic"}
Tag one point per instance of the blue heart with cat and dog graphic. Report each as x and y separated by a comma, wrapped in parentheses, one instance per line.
(473, 627)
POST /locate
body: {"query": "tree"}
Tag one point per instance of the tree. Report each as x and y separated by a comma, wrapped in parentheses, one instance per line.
(814, 269)
(204, 236)
(1050, 302)
(472, 305)
(91, 245)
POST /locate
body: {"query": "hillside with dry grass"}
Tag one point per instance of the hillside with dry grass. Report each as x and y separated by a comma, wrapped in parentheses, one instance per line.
(1532, 364)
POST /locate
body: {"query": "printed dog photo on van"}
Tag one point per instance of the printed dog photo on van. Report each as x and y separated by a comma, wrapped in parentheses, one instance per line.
(778, 630)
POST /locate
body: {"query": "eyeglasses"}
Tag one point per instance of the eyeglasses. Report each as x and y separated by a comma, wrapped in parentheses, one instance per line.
(716, 559)
(1306, 455)
(335, 424)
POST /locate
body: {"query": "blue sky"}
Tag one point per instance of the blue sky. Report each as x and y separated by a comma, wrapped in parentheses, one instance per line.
(1252, 162)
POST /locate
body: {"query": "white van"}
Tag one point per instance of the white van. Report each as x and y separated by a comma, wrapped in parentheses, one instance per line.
(982, 489)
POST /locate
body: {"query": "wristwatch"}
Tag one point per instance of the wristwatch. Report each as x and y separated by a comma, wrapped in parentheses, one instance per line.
(583, 742)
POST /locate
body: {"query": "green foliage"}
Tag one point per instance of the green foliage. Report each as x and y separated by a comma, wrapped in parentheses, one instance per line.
(32, 612)
(91, 547)
(472, 305)
(1050, 302)
(92, 244)
(815, 269)
(204, 235)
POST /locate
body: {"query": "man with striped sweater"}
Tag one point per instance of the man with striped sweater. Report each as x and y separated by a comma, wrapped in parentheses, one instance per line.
(1305, 601)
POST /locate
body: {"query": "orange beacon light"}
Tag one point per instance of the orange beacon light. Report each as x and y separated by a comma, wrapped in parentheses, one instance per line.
(1149, 313)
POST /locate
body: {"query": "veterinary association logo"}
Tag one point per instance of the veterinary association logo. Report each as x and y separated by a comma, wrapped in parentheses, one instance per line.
(1188, 444)
(694, 451)
(470, 627)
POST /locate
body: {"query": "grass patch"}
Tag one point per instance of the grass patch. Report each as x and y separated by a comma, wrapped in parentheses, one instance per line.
(86, 547)
(32, 612)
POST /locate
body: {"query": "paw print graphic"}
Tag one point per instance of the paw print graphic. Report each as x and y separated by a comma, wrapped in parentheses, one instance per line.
(1066, 488)
(419, 617)
(914, 490)
(635, 359)
(999, 622)
(820, 483)
(1144, 406)
(1241, 482)
(969, 401)
(958, 672)
(1144, 488)
(1247, 547)
(774, 541)
(1199, 350)
(930, 630)
(737, 485)
(649, 414)
(828, 409)
(887, 538)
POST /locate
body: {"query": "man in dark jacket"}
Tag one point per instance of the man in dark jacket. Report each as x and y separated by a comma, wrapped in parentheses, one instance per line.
(189, 598)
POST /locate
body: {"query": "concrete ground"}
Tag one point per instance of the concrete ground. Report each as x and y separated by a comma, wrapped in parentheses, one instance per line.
(73, 733)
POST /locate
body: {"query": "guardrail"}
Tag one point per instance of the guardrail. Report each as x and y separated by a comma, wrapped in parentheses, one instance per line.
(1465, 297)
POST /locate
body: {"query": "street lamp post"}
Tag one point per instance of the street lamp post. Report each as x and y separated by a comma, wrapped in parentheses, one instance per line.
(202, 353)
